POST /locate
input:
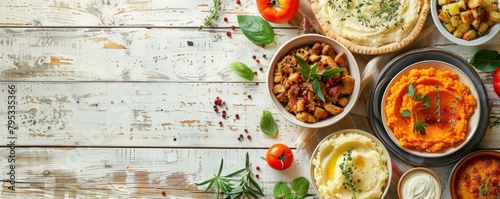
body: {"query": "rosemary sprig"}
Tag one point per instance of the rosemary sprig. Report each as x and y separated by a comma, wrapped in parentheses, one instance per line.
(438, 104)
(348, 169)
(483, 187)
(245, 186)
(310, 73)
(494, 121)
(214, 14)
(410, 92)
(453, 108)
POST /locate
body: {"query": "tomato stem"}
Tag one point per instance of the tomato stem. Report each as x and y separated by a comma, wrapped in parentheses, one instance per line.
(281, 157)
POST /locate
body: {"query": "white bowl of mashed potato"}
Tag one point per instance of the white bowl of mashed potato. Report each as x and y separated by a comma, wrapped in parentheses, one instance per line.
(351, 163)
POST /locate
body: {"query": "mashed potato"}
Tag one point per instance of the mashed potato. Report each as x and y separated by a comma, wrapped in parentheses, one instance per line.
(368, 158)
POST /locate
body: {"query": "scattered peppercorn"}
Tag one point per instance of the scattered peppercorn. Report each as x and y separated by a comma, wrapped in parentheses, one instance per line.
(257, 175)
(264, 55)
(261, 69)
(249, 97)
(225, 19)
(239, 139)
(175, 139)
(232, 27)
(220, 123)
(258, 61)
(246, 130)
(238, 2)
(263, 45)
(224, 112)
(237, 116)
(228, 33)
(258, 168)
(164, 193)
(249, 137)
(256, 83)
(255, 72)
(254, 57)
(216, 109)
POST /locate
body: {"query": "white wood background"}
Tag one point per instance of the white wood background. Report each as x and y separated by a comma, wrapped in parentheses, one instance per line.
(115, 98)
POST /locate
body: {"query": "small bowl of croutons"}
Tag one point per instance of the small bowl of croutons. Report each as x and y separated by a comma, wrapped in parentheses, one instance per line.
(466, 22)
(313, 81)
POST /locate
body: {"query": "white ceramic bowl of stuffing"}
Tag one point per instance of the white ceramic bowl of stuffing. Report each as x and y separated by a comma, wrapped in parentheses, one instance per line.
(296, 93)
(451, 20)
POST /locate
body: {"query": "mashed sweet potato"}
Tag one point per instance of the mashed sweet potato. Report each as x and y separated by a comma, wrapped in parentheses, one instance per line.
(440, 105)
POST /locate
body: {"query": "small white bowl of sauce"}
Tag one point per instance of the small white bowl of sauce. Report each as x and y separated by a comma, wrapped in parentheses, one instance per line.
(419, 183)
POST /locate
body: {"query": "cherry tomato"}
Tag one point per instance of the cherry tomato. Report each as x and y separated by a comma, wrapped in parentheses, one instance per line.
(279, 157)
(496, 81)
(278, 11)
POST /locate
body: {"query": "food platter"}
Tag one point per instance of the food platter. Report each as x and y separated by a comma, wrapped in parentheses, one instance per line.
(398, 64)
(472, 121)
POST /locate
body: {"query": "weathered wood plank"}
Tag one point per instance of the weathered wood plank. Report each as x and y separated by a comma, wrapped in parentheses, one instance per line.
(135, 54)
(146, 114)
(132, 172)
(113, 13)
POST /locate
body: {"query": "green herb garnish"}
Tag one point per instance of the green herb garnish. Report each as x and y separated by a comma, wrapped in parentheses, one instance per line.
(256, 29)
(348, 168)
(310, 73)
(410, 92)
(245, 186)
(453, 107)
(242, 70)
(300, 186)
(214, 14)
(267, 124)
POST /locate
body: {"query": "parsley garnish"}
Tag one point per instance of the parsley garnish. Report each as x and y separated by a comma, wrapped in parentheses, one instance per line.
(410, 92)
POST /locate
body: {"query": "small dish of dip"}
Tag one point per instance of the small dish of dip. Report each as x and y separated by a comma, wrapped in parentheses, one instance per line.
(419, 183)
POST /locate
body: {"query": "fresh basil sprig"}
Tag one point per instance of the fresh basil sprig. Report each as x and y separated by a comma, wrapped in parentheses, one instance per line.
(242, 70)
(310, 73)
(486, 60)
(267, 123)
(256, 29)
(300, 186)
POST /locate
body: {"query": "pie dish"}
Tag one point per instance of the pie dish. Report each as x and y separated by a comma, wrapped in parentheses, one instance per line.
(366, 27)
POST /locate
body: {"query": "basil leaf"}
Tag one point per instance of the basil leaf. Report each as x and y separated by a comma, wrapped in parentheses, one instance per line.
(300, 186)
(256, 29)
(313, 69)
(486, 60)
(280, 189)
(267, 123)
(317, 89)
(303, 72)
(242, 70)
(303, 63)
(328, 74)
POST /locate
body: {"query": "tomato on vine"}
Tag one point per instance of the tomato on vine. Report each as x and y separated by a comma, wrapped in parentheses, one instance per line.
(279, 157)
(278, 11)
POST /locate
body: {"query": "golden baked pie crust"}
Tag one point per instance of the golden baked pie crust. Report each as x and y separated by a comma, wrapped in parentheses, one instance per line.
(369, 50)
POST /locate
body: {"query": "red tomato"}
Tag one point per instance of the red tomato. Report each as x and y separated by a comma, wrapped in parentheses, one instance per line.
(279, 157)
(278, 11)
(496, 81)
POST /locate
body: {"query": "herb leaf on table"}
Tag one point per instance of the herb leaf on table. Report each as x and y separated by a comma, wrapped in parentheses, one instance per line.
(486, 60)
(256, 29)
(267, 123)
(242, 70)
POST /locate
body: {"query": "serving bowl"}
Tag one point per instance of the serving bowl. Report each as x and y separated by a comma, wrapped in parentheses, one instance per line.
(490, 33)
(480, 176)
(473, 120)
(400, 62)
(310, 39)
(419, 182)
(367, 154)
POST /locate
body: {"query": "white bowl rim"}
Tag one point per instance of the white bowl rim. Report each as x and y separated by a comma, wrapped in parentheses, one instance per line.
(492, 32)
(361, 132)
(311, 39)
(473, 120)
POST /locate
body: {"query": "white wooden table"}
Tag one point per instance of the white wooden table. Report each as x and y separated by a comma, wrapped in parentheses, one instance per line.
(114, 99)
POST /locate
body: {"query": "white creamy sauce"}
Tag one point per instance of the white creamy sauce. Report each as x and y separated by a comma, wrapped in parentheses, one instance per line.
(420, 185)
